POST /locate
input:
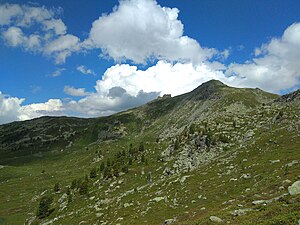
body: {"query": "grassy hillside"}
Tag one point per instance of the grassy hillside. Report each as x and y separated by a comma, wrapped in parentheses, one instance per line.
(216, 151)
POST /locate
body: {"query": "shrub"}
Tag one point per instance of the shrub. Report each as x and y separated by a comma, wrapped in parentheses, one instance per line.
(143, 158)
(102, 166)
(83, 188)
(44, 207)
(74, 184)
(176, 144)
(141, 147)
(93, 173)
(56, 187)
(107, 172)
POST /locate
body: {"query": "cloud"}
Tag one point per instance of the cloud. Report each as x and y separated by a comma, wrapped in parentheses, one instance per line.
(275, 66)
(56, 25)
(9, 108)
(53, 107)
(57, 72)
(15, 37)
(139, 30)
(164, 77)
(101, 104)
(123, 86)
(85, 70)
(136, 30)
(75, 91)
(62, 47)
(8, 12)
(37, 29)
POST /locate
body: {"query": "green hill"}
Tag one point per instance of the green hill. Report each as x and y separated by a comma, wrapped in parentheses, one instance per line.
(217, 153)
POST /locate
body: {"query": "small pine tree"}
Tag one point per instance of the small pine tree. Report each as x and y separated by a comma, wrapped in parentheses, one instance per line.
(149, 177)
(131, 149)
(192, 129)
(56, 187)
(125, 169)
(176, 144)
(93, 173)
(141, 147)
(68, 192)
(70, 198)
(74, 184)
(116, 169)
(279, 115)
(119, 154)
(108, 163)
(83, 189)
(208, 141)
(107, 172)
(143, 158)
(234, 124)
(102, 166)
(130, 161)
(44, 207)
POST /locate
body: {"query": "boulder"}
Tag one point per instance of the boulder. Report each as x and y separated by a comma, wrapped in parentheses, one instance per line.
(169, 221)
(294, 189)
(182, 180)
(246, 176)
(215, 219)
(158, 199)
(240, 212)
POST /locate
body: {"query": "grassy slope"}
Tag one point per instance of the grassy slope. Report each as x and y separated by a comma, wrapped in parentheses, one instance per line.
(22, 183)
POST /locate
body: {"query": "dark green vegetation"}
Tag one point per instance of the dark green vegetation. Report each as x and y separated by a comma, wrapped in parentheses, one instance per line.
(216, 151)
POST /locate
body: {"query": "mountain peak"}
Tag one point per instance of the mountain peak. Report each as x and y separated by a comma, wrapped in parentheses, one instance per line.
(208, 89)
(213, 83)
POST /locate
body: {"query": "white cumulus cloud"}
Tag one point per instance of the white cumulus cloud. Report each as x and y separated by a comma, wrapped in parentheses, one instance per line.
(57, 25)
(53, 107)
(84, 70)
(62, 47)
(9, 108)
(15, 37)
(37, 29)
(123, 86)
(75, 91)
(141, 29)
(276, 65)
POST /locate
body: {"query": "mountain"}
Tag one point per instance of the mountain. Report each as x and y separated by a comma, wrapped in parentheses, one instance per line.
(217, 153)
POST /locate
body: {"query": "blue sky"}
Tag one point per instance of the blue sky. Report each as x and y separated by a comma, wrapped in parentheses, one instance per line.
(145, 48)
